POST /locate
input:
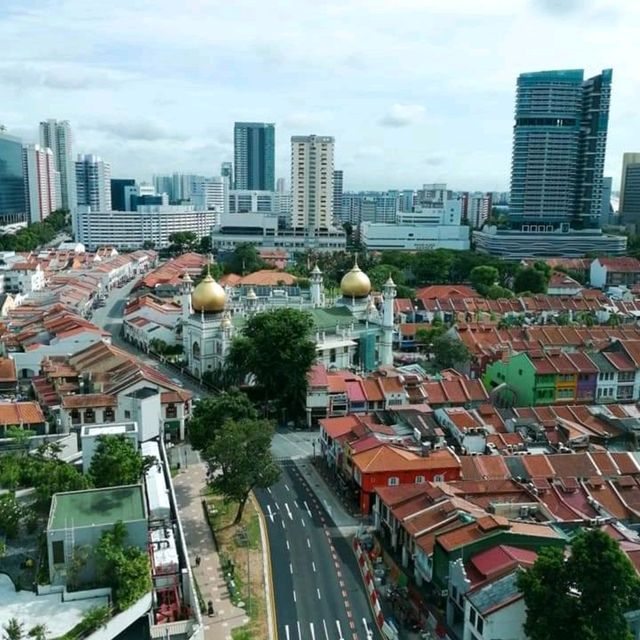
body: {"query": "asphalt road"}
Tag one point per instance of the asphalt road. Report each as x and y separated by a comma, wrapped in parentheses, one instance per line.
(318, 591)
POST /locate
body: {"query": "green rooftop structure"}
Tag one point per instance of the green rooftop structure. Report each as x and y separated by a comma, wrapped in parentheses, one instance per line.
(96, 507)
(78, 519)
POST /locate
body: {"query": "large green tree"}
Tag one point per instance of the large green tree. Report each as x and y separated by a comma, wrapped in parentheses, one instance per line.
(432, 267)
(117, 461)
(182, 241)
(449, 352)
(244, 259)
(483, 277)
(276, 347)
(210, 414)
(530, 279)
(583, 597)
(240, 460)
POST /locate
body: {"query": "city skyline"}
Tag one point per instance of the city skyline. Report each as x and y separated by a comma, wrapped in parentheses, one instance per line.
(408, 110)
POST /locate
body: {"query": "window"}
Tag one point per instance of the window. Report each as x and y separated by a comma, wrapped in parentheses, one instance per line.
(57, 548)
(172, 411)
(472, 616)
(438, 478)
(89, 416)
(393, 481)
(109, 415)
(419, 479)
(127, 414)
(75, 417)
(480, 625)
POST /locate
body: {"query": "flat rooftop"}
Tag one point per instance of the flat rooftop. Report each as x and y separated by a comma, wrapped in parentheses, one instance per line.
(95, 507)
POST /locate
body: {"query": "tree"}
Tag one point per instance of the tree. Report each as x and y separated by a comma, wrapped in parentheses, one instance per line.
(240, 460)
(495, 292)
(205, 244)
(584, 597)
(182, 241)
(210, 414)
(39, 632)
(425, 337)
(530, 279)
(380, 274)
(276, 347)
(13, 630)
(483, 277)
(148, 244)
(432, 267)
(10, 515)
(449, 352)
(116, 461)
(245, 259)
(125, 569)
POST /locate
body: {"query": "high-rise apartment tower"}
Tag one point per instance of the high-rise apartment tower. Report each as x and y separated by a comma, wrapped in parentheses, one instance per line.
(254, 156)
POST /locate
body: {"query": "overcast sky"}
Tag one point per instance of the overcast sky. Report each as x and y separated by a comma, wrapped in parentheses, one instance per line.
(414, 91)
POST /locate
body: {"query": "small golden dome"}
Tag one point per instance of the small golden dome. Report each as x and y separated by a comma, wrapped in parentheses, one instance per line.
(226, 321)
(355, 283)
(208, 296)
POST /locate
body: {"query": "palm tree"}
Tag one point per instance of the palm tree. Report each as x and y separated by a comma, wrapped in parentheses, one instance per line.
(13, 630)
(39, 632)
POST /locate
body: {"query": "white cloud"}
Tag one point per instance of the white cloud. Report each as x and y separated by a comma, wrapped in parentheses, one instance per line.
(402, 115)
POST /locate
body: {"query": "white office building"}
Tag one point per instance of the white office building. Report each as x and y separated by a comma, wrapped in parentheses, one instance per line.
(436, 227)
(131, 229)
(42, 182)
(312, 182)
(251, 201)
(93, 183)
(210, 194)
(262, 230)
(56, 135)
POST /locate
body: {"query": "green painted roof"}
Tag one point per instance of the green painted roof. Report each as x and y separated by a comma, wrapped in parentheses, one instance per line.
(604, 366)
(330, 317)
(97, 507)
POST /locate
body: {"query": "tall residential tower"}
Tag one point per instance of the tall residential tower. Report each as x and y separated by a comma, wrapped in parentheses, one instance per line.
(56, 134)
(312, 182)
(93, 178)
(42, 182)
(254, 156)
(559, 141)
(13, 206)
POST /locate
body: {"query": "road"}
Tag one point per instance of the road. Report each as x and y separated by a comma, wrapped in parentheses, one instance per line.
(317, 586)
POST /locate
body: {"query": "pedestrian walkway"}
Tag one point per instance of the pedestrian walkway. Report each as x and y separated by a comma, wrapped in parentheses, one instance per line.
(188, 485)
(347, 524)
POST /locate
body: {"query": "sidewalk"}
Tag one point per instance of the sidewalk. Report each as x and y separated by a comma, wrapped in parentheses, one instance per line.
(347, 524)
(188, 484)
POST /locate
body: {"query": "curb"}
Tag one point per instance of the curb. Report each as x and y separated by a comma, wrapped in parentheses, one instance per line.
(267, 572)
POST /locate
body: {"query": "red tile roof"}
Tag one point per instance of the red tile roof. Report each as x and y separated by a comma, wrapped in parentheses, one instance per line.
(89, 400)
(392, 458)
(20, 413)
(623, 264)
(336, 427)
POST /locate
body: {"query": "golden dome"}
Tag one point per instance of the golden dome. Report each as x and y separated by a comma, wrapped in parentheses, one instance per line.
(208, 296)
(355, 283)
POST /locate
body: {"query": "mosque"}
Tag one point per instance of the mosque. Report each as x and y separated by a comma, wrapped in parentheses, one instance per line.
(353, 331)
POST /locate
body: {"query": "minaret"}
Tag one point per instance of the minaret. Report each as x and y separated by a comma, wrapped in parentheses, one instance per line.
(386, 344)
(316, 287)
(187, 288)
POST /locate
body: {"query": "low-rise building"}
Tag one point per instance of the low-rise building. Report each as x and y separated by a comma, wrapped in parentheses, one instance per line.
(614, 271)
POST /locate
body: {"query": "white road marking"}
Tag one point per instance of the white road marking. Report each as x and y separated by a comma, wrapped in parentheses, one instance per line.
(286, 506)
(286, 630)
(340, 636)
(318, 592)
(326, 631)
(299, 632)
(308, 543)
(294, 597)
(291, 568)
(287, 543)
(269, 512)
(313, 564)
(286, 486)
(306, 506)
(296, 503)
(269, 490)
(282, 521)
(302, 520)
(366, 629)
(313, 633)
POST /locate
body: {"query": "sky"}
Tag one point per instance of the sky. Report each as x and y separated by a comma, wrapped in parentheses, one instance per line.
(414, 91)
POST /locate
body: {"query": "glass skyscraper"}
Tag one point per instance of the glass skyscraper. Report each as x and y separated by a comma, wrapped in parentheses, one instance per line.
(559, 143)
(13, 203)
(254, 156)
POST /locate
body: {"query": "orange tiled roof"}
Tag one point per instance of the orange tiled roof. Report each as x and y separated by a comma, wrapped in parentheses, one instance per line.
(20, 413)
(390, 458)
(89, 400)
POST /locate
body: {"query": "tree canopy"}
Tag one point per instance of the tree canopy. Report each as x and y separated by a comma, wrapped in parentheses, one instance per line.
(244, 259)
(483, 278)
(117, 461)
(240, 460)
(583, 597)
(449, 352)
(211, 413)
(276, 347)
(182, 241)
(531, 279)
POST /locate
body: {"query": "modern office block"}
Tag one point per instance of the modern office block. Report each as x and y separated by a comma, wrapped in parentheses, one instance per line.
(41, 182)
(119, 200)
(57, 136)
(254, 156)
(312, 182)
(630, 188)
(13, 205)
(559, 141)
(210, 194)
(93, 183)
